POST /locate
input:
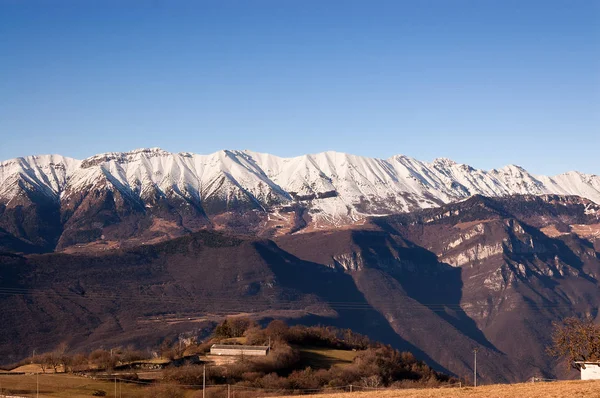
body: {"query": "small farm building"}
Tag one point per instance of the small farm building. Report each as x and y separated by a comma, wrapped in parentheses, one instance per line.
(589, 370)
(239, 350)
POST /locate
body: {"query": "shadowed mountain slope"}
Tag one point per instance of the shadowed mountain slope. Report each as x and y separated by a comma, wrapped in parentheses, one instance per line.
(486, 273)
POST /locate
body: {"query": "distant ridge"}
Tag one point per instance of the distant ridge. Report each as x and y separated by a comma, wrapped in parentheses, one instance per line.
(84, 198)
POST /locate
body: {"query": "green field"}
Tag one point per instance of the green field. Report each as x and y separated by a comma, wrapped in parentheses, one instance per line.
(324, 358)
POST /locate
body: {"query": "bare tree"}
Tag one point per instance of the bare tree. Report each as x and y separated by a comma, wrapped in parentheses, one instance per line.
(64, 359)
(277, 329)
(79, 362)
(574, 340)
(130, 354)
(103, 359)
(54, 360)
(373, 381)
(44, 361)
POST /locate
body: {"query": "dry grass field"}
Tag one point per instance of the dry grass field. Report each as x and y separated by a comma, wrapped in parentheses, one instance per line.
(564, 389)
(61, 385)
(31, 368)
(54, 386)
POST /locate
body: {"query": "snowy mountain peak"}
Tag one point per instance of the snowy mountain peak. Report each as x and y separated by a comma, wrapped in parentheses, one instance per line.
(333, 187)
(124, 157)
(443, 162)
(513, 169)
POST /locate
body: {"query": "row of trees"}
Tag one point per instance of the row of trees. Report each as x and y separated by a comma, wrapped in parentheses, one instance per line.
(59, 360)
(322, 336)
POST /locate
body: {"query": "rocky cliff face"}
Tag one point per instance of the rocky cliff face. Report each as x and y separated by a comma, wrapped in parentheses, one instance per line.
(474, 274)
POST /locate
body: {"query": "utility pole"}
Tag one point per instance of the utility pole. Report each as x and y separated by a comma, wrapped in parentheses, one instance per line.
(204, 382)
(228, 391)
(115, 386)
(475, 368)
(37, 383)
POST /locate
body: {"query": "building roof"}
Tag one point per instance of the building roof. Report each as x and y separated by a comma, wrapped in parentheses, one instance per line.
(239, 347)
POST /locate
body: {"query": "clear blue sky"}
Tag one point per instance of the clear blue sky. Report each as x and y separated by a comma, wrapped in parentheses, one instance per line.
(485, 82)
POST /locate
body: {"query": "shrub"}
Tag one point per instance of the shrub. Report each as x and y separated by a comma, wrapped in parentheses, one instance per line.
(256, 336)
(281, 358)
(189, 374)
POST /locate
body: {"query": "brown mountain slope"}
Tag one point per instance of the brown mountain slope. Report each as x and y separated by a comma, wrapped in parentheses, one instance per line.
(182, 286)
(472, 273)
(479, 273)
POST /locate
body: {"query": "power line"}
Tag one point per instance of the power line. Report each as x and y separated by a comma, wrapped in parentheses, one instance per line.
(411, 303)
(111, 378)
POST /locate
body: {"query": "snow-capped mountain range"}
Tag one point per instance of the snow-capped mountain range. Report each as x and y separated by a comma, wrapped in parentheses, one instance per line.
(499, 269)
(332, 188)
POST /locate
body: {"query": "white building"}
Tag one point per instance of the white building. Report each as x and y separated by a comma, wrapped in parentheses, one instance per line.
(238, 350)
(589, 370)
